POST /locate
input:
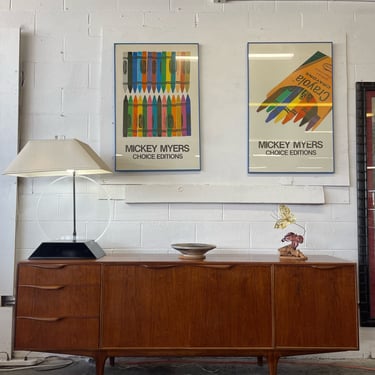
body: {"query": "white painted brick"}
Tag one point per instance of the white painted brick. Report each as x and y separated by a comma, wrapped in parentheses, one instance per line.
(58, 230)
(265, 236)
(31, 237)
(311, 213)
(143, 5)
(89, 5)
(93, 133)
(42, 101)
(4, 4)
(237, 22)
(61, 74)
(291, 19)
(53, 23)
(160, 235)
(114, 20)
(88, 207)
(22, 20)
(78, 101)
(42, 48)
(122, 235)
(79, 47)
(94, 75)
(46, 126)
(200, 212)
(344, 212)
(46, 5)
(331, 235)
(173, 20)
(365, 72)
(141, 212)
(310, 19)
(224, 235)
(249, 212)
(196, 6)
(28, 207)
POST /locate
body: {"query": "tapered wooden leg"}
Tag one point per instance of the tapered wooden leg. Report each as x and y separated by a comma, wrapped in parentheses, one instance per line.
(273, 359)
(99, 363)
(112, 361)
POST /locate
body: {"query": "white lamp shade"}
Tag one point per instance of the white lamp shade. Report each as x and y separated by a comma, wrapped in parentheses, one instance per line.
(56, 157)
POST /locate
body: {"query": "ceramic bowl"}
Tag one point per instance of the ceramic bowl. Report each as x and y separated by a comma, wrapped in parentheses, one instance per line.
(193, 250)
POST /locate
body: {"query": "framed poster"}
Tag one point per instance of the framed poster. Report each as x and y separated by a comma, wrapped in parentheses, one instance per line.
(156, 107)
(290, 115)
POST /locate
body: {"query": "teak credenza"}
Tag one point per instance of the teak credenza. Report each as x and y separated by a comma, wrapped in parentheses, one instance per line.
(160, 305)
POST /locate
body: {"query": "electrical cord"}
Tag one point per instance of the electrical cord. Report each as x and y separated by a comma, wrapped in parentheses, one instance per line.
(46, 364)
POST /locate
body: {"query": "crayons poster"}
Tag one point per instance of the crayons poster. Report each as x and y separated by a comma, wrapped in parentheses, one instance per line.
(290, 95)
(157, 107)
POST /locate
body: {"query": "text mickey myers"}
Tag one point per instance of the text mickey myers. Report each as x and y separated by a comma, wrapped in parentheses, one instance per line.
(144, 151)
(296, 148)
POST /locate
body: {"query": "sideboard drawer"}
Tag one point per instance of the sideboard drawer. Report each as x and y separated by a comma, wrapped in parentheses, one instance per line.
(58, 300)
(56, 333)
(58, 273)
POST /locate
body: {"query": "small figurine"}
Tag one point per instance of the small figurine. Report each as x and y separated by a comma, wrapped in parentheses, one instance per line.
(289, 251)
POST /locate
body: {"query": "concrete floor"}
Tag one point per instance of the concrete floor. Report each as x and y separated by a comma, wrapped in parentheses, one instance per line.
(195, 366)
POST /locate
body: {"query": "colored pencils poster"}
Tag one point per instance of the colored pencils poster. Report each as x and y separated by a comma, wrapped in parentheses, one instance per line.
(290, 107)
(157, 107)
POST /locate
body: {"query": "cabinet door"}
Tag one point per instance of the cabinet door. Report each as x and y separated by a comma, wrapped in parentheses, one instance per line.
(186, 306)
(316, 306)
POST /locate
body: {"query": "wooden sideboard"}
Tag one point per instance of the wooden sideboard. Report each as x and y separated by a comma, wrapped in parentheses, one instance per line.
(160, 305)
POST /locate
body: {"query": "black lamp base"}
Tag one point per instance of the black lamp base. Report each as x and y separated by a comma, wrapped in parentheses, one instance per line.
(68, 250)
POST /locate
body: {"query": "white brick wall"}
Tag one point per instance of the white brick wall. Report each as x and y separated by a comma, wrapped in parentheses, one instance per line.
(61, 48)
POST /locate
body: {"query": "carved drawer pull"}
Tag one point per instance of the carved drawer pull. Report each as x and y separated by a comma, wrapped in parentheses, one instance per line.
(48, 320)
(162, 266)
(325, 267)
(49, 266)
(158, 266)
(216, 266)
(45, 287)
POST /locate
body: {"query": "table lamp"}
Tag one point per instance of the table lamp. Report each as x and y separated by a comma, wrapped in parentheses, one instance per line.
(60, 157)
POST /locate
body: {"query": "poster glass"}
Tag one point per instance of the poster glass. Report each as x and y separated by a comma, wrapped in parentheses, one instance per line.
(290, 115)
(156, 107)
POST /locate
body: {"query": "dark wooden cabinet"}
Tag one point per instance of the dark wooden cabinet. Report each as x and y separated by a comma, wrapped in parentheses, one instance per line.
(161, 305)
